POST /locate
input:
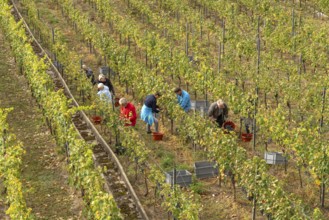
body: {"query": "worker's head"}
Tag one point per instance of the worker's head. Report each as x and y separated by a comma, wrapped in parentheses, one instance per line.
(123, 102)
(157, 95)
(178, 91)
(100, 86)
(101, 77)
(220, 104)
(84, 67)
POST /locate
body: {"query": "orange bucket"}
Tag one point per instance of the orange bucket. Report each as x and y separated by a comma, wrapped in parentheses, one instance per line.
(116, 102)
(157, 136)
(96, 119)
(229, 125)
(246, 137)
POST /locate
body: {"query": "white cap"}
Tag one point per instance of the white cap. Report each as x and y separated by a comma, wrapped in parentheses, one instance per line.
(100, 86)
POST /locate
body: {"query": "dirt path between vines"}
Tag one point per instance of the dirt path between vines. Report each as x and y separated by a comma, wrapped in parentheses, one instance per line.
(44, 178)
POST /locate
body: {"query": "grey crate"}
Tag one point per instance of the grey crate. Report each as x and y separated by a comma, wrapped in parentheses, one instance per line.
(104, 70)
(274, 158)
(200, 105)
(205, 169)
(112, 72)
(183, 177)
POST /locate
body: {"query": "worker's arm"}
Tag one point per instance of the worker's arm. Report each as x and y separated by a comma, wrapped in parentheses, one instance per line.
(225, 111)
(211, 111)
(133, 115)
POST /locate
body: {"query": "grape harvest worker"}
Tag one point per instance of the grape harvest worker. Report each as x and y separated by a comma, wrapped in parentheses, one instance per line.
(104, 93)
(218, 111)
(89, 74)
(128, 112)
(106, 82)
(248, 123)
(183, 99)
(148, 110)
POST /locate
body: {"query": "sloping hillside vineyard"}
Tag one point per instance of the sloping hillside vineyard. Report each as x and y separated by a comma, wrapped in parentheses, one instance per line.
(269, 61)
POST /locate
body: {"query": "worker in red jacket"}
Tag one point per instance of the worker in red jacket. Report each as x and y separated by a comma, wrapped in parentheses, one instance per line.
(128, 111)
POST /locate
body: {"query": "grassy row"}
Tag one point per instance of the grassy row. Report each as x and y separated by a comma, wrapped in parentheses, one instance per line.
(11, 153)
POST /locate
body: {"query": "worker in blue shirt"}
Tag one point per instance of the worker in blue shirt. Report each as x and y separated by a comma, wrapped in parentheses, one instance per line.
(183, 99)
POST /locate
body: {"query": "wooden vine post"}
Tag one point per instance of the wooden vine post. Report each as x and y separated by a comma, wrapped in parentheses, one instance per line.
(322, 187)
(256, 99)
(186, 43)
(219, 57)
(223, 37)
(254, 197)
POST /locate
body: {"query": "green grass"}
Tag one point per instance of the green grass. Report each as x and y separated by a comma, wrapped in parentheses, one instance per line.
(50, 17)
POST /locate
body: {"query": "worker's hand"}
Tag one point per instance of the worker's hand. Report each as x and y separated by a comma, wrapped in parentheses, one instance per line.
(127, 121)
(212, 118)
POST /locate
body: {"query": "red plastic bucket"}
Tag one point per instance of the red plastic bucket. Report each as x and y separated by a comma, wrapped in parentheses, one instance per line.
(229, 125)
(157, 136)
(96, 119)
(116, 102)
(246, 137)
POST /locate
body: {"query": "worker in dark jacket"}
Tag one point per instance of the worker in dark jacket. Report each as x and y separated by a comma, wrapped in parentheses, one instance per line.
(148, 110)
(106, 82)
(218, 111)
(89, 73)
